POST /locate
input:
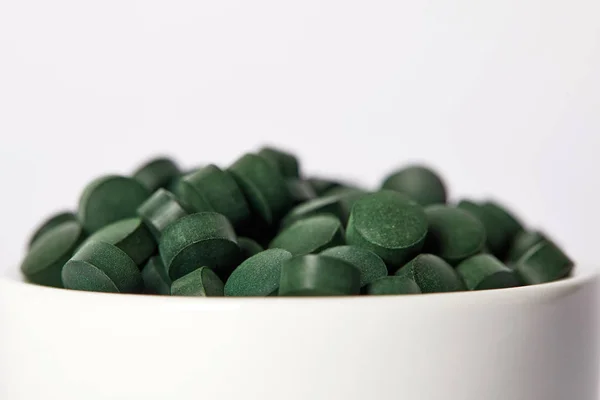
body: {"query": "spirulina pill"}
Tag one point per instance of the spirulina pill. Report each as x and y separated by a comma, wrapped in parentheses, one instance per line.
(310, 235)
(470, 206)
(202, 282)
(500, 225)
(484, 271)
(316, 275)
(522, 242)
(50, 223)
(174, 183)
(46, 257)
(454, 234)
(102, 267)
(322, 185)
(347, 196)
(544, 262)
(300, 190)
(495, 235)
(432, 274)
(248, 247)
(263, 186)
(389, 224)
(221, 192)
(370, 265)
(420, 183)
(285, 162)
(157, 173)
(196, 240)
(320, 205)
(342, 189)
(392, 285)
(191, 200)
(504, 217)
(109, 199)
(160, 210)
(259, 275)
(156, 280)
(130, 235)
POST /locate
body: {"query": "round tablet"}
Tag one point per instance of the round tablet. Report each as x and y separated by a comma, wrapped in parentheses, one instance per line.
(313, 275)
(157, 173)
(454, 234)
(221, 192)
(50, 223)
(420, 183)
(202, 282)
(321, 185)
(161, 209)
(156, 280)
(484, 271)
(286, 163)
(102, 267)
(190, 199)
(248, 247)
(196, 240)
(522, 242)
(347, 197)
(191, 170)
(495, 236)
(470, 206)
(390, 285)
(310, 235)
(389, 224)
(129, 235)
(320, 205)
(263, 187)
(109, 199)
(173, 185)
(501, 227)
(300, 190)
(370, 265)
(51, 250)
(432, 274)
(504, 217)
(544, 262)
(259, 275)
(342, 189)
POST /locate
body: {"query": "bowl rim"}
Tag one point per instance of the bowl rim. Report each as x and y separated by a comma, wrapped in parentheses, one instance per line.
(582, 276)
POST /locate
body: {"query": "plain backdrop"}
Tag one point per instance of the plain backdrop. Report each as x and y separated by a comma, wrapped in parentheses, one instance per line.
(502, 97)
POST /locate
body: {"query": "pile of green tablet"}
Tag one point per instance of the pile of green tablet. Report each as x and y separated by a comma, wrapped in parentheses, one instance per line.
(260, 228)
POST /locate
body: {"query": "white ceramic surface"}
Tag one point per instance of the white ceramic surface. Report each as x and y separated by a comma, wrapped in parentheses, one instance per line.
(529, 343)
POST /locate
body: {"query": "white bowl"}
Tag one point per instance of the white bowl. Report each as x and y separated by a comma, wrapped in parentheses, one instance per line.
(528, 343)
